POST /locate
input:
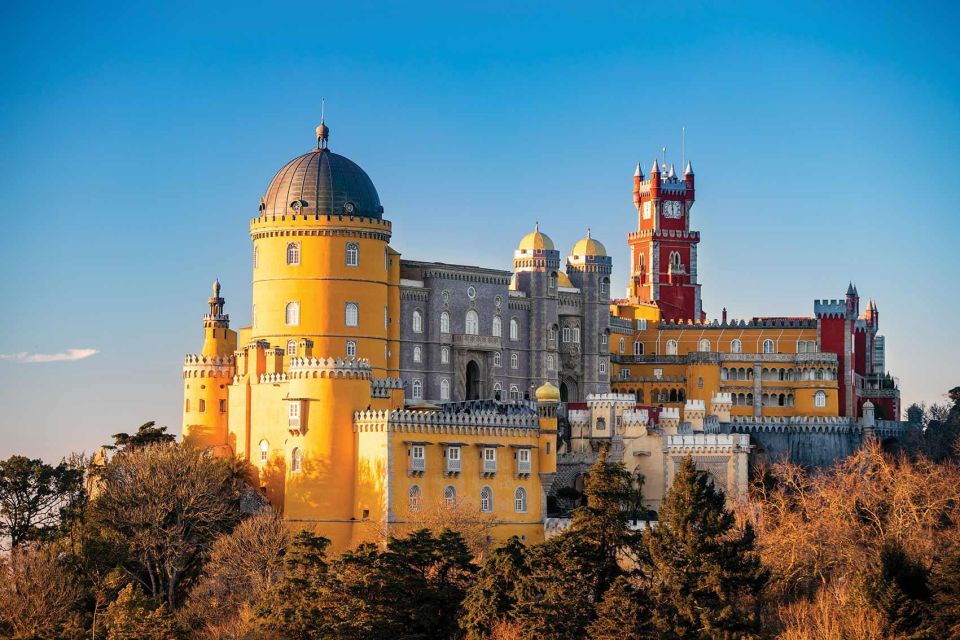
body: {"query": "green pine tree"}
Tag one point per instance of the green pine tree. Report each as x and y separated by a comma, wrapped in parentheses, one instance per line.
(499, 585)
(945, 583)
(899, 589)
(292, 609)
(704, 577)
(623, 614)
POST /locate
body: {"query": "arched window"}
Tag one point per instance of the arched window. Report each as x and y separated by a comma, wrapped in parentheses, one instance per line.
(497, 326)
(264, 450)
(486, 499)
(417, 390)
(293, 253)
(818, 374)
(353, 254)
(352, 314)
(472, 323)
(704, 345)
(514, 329)
(604, 286)
(414, 498)
(444, 389)
(450, 496)
(549, 362)
(675, 263)
(296, 460)
(418, 354)
(417, 321)
(552, 334)
(520, 500)
(496, 358)
(622, 345)
(291, 347)
(292, 314)
(514, 361)
(497, 391)
(768, 346)
(552, 282)
(514, 392)
(820, 399)
(351, 348)
(638, 348)
(736, 346)
(444, 322)
(671, 347)
(444, 355)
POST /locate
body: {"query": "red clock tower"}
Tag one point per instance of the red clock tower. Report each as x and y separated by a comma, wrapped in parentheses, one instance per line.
(663, 248)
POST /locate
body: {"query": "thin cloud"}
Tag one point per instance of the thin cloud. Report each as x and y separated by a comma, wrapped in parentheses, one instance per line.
(65, 356)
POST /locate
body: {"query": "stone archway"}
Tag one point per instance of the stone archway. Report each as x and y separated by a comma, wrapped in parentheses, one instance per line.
(474, 383)
(569, 391)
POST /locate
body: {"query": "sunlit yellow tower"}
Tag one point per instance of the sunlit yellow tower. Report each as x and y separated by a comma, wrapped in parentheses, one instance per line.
(206, 378)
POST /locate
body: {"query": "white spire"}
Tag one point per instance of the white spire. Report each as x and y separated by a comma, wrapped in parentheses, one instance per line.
(671, 173)
(656, 167)
(689, 170)
(639, 172)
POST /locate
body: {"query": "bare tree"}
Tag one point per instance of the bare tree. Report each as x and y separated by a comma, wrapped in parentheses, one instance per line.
(39, 596)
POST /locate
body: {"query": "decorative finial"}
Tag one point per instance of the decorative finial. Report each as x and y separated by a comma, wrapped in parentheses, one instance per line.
(536, 226)
(588, 233)
(216, 288)
(323, 131)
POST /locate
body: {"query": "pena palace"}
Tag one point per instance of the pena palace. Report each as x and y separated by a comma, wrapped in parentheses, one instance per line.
(370, 390)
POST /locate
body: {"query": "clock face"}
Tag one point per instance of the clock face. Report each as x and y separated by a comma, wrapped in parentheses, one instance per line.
(672, 209)
(646, 210)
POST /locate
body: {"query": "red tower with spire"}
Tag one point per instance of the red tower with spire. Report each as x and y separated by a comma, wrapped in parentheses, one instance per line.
(663, 249)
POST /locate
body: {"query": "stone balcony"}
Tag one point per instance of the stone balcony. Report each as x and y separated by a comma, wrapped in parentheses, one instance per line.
(476, 342)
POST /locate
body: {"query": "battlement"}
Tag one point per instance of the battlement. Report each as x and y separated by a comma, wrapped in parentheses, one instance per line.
(829, 308)
(694, 405)
(199, 366)
(354, 368)
(219, 318)
(669, 413)
(722, 398)
(708, 442)
(320, 224)
(636, 417)
(664, 234)
(381, 387)
(194, 359)
(428, 420)
(578, 416)
(606, 399)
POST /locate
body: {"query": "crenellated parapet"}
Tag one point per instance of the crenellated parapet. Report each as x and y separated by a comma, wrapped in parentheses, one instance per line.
(480, 423)
(708, 443)
(609, 400)
(830, 308)
(636, 418)
(199, 366)
(797, 424)
(348, 368)
(381, 387)
(314, 224)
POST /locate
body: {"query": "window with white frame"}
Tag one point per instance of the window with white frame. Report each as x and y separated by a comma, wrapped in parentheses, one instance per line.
(472, 323)
(658, 373)
(486, 499)
(496, 358)
(444, 355)
(417, 390)
(820, 399)
(549, 362)
(293, 253)
(386, 317)
(603, 338)
(604, 286)
(418, 458)
(703, 345)
(351, 348)
(291, 347)
(638, 348)
(768, 346)
(623, 344)
(514, 393)
(450, 496)
(514, 361)
(520, 500)
(296, 460)
(418, 353)
(514, 329)
(497, 391)
(453, 459)
(602, 365)
(552, 335)
(444, 389)
(444, 322)
(489, 460)
(292, 314)
(293, 414)
(264, 450)
(671, 347)
(351, 314)
(624, 374)
(736, 346)
(414, 498)
(353, 254)
(523, 461)
(552, 281)
(575, 338)
(417, 321)
(497, 326)
(567, 334)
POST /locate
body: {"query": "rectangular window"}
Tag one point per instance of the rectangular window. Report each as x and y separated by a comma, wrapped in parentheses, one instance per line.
(453, 459)
(489, 460)
(351, 348)
(293, 415)
(603, 366)
(523, 462)
(566, 334)
(203, 405)
(624, 374)
(658, 373)
(418, 458)
(223, 406)
(576, 334)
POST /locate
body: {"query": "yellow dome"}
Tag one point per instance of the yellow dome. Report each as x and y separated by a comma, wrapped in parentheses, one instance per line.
(548, 393)
(536, 241)
(587, 246)
(563, 280)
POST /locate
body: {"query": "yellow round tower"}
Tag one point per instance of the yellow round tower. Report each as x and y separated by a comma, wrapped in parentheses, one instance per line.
(322, 268)
(206, 378)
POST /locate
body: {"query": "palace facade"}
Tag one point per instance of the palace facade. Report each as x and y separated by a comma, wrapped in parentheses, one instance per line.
(368, 389)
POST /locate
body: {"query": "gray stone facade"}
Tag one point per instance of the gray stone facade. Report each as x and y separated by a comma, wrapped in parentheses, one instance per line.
(470, 332)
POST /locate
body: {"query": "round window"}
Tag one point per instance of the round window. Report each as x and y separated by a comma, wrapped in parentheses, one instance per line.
(498, 301)
(348, 207)
(471, 292)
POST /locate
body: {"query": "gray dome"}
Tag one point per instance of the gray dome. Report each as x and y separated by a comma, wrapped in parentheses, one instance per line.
(321, 182)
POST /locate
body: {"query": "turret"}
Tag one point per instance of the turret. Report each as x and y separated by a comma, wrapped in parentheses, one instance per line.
(853, 300)
(637, 179)
(548, 399)
(695, 412)
(655, 179)
(689, 179)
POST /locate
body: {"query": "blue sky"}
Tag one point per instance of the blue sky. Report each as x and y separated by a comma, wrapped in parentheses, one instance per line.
(139, 137)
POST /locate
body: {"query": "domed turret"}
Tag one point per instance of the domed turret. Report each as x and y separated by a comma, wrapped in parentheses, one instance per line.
(536, 241)
(548, 393)
(322, 182)
(587, 246)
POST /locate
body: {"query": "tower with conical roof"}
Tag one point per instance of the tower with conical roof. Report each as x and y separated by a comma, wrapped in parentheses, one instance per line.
(663, 249)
